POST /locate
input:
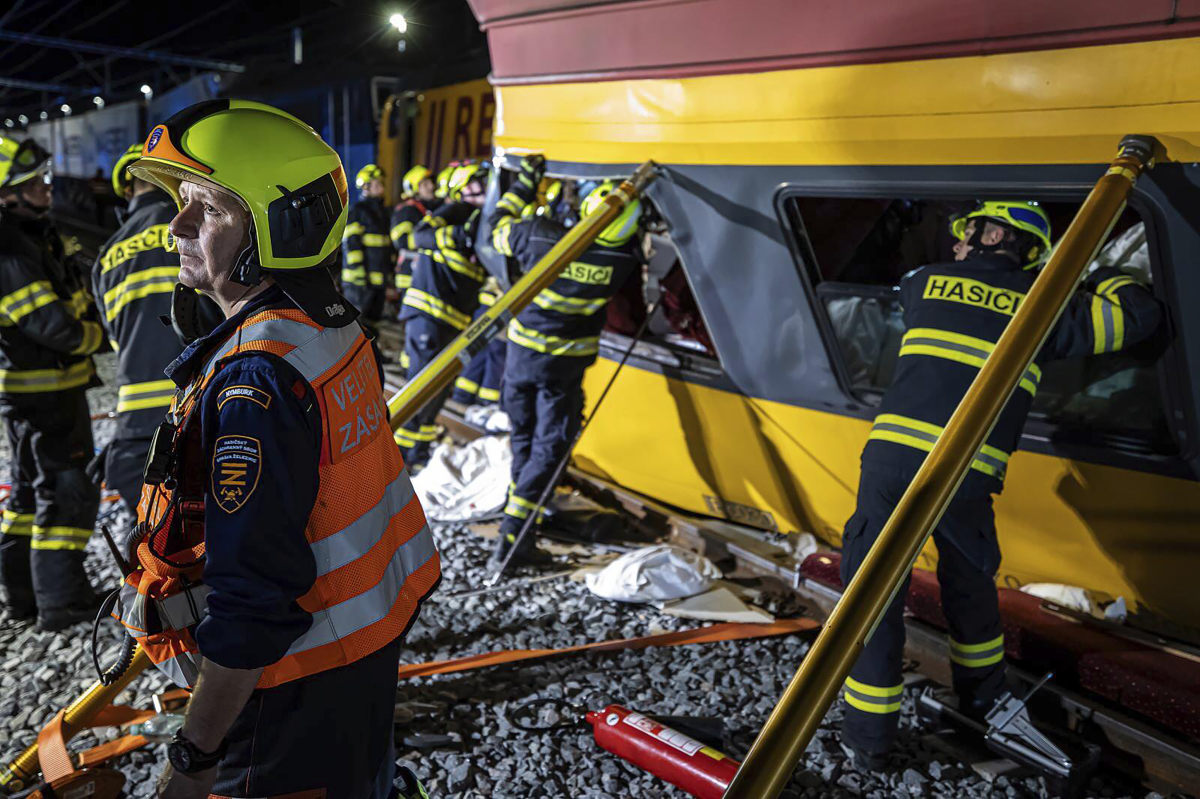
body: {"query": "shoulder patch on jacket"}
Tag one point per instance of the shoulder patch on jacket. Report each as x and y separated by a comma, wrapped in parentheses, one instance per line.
(237, 462)
(248, 393)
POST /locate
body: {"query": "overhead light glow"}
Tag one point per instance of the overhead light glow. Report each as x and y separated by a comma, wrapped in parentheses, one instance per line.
(44, 115)
(99, 101)
(146, 90)
(8, 123)
(24, 120)
(399, 22)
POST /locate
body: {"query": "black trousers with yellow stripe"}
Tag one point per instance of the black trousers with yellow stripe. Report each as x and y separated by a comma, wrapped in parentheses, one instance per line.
(424, 338)
(52, 508)
(968, 558)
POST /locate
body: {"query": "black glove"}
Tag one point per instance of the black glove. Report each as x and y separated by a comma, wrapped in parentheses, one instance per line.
(533, 167)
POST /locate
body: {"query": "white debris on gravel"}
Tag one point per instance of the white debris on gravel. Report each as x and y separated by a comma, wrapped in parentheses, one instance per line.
(482, 754)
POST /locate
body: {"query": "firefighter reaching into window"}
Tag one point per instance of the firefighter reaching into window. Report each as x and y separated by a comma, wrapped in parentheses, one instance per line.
(553, 341)
(46, 343)
(274, 486)
(368, 260)
(954, 313)
(132, 281)
(443, 297)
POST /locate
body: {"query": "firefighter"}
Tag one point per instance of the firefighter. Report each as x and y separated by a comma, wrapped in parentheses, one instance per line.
(276, 475)
(954, 314)
(418, 200)
(132, 282)
(443, 297)
(46, 342)
(442, 188)
(368, 258)
(479, 382)
(553, 341)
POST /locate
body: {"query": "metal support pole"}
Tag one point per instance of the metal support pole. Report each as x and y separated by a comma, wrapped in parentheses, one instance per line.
(782, 741)
(441, 371)
(122, 52)
(26, 767)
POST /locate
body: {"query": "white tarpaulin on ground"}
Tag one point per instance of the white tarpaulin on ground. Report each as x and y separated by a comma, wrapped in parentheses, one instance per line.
(654, 573)
(465, 482)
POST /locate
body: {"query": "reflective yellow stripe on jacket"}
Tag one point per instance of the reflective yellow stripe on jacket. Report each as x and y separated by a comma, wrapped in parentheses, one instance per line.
(923, 435)
(1108, 318)
(140, 396)
(24, 301)
(551, 345)
(960, 348)
(143, 283)
(376, 240)
(35, 381)
(424, 301)
(553, 301)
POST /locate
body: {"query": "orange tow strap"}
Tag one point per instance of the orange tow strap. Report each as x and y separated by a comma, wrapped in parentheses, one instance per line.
(701, 635)
(53, 758)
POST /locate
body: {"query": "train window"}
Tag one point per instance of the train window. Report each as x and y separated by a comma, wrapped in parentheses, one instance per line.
(854, 252)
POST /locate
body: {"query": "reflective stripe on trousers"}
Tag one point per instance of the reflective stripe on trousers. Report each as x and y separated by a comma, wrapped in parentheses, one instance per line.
(873, 698)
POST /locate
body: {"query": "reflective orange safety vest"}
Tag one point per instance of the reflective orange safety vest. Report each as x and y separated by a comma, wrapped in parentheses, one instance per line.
(375, 555)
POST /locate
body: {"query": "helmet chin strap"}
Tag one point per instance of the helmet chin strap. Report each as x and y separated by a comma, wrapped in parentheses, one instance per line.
(247, 271)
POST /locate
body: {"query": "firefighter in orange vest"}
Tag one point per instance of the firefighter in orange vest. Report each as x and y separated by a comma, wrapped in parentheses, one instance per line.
(280, 552)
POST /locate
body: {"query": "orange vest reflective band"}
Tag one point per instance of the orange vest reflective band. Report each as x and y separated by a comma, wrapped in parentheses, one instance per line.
(374, 553)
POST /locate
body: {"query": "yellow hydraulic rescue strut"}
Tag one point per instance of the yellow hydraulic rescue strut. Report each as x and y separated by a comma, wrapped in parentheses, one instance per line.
(416, 393)
(441, 371)
(783, 739)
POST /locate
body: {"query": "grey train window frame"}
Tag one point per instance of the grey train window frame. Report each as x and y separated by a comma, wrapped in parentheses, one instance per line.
(1040, 435)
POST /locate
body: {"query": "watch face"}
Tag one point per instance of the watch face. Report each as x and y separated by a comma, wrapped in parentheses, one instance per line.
(180, 756)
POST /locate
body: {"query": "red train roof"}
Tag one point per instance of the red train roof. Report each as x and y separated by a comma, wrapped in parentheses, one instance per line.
(542, 41)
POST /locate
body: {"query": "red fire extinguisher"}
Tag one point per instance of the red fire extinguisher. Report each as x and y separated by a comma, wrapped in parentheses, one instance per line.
(664, 752)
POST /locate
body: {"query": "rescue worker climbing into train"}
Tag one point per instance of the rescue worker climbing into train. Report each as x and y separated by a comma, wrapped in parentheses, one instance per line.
(443, 297)
(47, 337)
(275, 503)
(417, 201)
(368, 259)
(954, 313)
(552, 341)
(132, 282)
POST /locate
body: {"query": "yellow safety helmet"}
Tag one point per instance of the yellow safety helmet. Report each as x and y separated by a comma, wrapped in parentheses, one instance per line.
(288, 179)
(464, 175)
(1023, 215)
(20, 161)
(412, 179)
(443, 180)
(120, 178)
(621, 229)
(367, 174)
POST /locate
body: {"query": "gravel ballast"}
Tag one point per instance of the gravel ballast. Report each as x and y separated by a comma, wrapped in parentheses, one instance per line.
(456, 730)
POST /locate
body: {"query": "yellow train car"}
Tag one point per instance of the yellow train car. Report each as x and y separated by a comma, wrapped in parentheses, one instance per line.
(813, 153)
(434, 127)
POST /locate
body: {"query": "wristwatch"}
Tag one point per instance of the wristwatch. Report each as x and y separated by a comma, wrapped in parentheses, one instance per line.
(186, 758)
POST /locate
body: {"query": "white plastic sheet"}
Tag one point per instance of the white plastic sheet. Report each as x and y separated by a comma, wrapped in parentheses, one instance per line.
(465, 482)
(1069, 596)
(489, 418)
(653, 574)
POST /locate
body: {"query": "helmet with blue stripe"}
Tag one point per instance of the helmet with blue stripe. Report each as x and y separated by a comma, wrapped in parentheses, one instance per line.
(1024, 216)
